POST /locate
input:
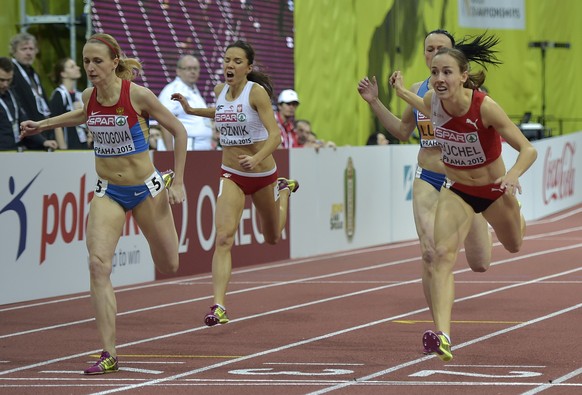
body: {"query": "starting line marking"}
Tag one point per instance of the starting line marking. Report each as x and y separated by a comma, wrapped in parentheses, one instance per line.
(177, 356)
(513, 374)
(310, 383)
(270, 371)
(556, 382)
(314, 363)
(156, 362)
(496, 366)
(123, 369)
(456, 322)
(136, 370)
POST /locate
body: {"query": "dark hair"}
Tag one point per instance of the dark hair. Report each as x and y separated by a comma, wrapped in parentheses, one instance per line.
(6, 64)
(476, 49)
(475, 80)
(443, 32)
(58, 69)
(304, 121)
(255, 75)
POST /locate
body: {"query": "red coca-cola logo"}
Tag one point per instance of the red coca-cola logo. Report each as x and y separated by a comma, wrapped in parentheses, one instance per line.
(559, 174)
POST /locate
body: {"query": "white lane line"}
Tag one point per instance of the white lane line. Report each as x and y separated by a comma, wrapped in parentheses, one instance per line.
(125, 361)
(496, 366)
(316, 302)
(558, 381)
(293, 262)
(314, 363)
(125, 369)
(136, 370)
(276, 284)
(299, 383)
(333, 334)
(560, 217)
(263, 267)
(462, 345)
(82, 377)
(261, 287)
(341, 385)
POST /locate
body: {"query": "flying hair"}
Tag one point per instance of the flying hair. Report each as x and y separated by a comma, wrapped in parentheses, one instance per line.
(478, 49)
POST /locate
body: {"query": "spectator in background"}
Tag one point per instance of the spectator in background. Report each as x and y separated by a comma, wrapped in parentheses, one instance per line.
(199, 129)
(311, 141)
(155, 139)
(302, 130)
(11, 114)
(26, 82)
(307, 138)
(66, 98)
(377, 138)
(215, 137)
(286, 106)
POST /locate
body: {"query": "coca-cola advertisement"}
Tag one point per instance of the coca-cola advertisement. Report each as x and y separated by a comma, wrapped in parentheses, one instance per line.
(559, 173)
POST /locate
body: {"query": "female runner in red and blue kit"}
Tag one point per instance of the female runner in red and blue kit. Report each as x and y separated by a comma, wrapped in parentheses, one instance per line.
(117, 112)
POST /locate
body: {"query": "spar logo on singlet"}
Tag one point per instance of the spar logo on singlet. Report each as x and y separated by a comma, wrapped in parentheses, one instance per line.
(230, 117)
(111, 135)
(106, 120)
(460, 149)
(224, 117)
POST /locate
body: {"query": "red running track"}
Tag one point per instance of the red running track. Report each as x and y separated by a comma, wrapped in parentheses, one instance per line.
(347, 323)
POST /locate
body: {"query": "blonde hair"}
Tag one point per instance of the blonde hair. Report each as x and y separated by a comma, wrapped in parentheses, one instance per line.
(127, 68)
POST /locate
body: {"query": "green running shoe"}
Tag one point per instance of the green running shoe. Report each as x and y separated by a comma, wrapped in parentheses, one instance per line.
(168, 177)
(217, 315)
(284, 183)
(438, 343)
(105, 364)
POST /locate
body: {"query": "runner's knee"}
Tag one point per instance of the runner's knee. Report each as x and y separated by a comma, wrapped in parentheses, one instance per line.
(513, 246)
(481, 267)
(444, 259)
(98, 268)
(428, 257)
(224, 239)
(272, 238)
(168, 266)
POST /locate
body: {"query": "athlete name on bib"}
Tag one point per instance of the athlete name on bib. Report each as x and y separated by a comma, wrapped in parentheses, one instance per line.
(111, 135)
(460, 149)
(233, 129)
